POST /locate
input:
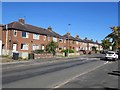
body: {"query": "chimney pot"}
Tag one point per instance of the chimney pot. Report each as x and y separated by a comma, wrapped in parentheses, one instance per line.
(50, 28)
(21, 20)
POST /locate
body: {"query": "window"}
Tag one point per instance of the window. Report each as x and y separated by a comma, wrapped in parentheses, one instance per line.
(60, 48)
(54, 39)
(44, 38)
(36, 36)
(64, 47)
(48, 38)
(60, 40)
(24, 34)
(24, 46)
(15, 33)
(35, 47)
(76, 42)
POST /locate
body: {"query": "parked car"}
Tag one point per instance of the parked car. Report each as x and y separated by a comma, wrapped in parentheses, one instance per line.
(111, 55)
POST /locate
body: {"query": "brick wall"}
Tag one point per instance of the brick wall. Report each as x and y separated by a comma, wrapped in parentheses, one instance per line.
(37, 56)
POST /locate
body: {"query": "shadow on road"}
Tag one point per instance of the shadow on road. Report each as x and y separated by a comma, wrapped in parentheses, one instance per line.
(116, 73)
(104, 59)
(106, 88)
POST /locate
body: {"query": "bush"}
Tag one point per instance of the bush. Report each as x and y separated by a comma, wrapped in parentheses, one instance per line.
(38, 51)
(66, 51)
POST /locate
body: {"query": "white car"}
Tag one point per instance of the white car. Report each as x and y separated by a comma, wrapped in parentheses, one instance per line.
(111, 55)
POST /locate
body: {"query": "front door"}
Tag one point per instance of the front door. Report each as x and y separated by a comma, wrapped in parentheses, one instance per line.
(14, 47)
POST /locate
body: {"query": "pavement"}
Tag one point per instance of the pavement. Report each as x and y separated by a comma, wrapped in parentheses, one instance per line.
(105, 77)
(42, 61)
(11, 61)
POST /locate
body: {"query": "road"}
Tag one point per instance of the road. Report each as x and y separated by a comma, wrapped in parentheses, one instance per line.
(57, 74)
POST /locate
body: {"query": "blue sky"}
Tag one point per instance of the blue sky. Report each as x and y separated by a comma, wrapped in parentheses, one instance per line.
(87, 19)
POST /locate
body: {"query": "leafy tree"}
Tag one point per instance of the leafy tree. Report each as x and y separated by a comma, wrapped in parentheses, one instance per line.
(106, 43)
(51, 47)
(115, 37)
(93, 48)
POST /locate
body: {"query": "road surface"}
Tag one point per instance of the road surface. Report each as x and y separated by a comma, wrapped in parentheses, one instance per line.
(58, 74)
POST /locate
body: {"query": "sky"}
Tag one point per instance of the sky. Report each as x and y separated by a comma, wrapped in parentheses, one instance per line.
(88, 19)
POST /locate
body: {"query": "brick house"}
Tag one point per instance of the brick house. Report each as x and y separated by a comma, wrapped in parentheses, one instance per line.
(1, 26)
(24, 38)
(70, 41)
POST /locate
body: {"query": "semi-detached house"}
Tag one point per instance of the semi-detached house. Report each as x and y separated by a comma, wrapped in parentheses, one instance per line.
(1, 26)
(24, 38)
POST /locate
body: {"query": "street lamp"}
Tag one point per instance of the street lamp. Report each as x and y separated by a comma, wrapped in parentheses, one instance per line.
(68, 38)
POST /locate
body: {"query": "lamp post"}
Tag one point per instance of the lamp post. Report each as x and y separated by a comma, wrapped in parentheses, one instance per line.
(68, 38)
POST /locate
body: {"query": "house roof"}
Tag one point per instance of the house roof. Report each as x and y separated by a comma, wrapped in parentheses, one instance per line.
(1, 25)
(30, 28)
(70, 37)
(90, 41)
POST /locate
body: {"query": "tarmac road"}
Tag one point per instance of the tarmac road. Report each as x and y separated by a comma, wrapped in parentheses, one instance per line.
(50, 75)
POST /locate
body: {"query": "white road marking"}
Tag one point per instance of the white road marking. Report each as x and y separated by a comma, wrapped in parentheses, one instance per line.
(63, 83)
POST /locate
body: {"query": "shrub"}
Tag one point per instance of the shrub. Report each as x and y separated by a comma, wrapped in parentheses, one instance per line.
(38, 51)
(66, 51)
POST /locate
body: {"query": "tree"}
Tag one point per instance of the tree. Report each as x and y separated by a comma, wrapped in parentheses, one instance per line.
(93, 48)
(106, 44)
(115, 37)
(51, 47)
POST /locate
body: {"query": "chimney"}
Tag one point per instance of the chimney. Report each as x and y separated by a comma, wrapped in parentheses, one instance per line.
(50, 28)
(77, 36)
(91, 39)
(21, 20)
(96, 41)
(68, 33)
(85, 38)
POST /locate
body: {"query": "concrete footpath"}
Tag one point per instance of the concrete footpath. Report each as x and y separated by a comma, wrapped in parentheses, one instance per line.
(17, 63)
(45, 59)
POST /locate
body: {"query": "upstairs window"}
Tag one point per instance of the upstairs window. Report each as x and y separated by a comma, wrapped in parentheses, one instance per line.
(60, 40)
(36, 36)
(48, 38)
(44, 38)
(15, 33)
(76, 42)
(24, 34)
(54, 39)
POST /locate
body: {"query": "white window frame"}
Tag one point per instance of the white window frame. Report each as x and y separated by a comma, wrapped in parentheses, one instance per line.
(54, 39)
(61, 40)
(14, 33)
(35, 46)
(27, 34)
(76, 42)
(44, 38)
(25, 46)
(36, 36)
(48, 38)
